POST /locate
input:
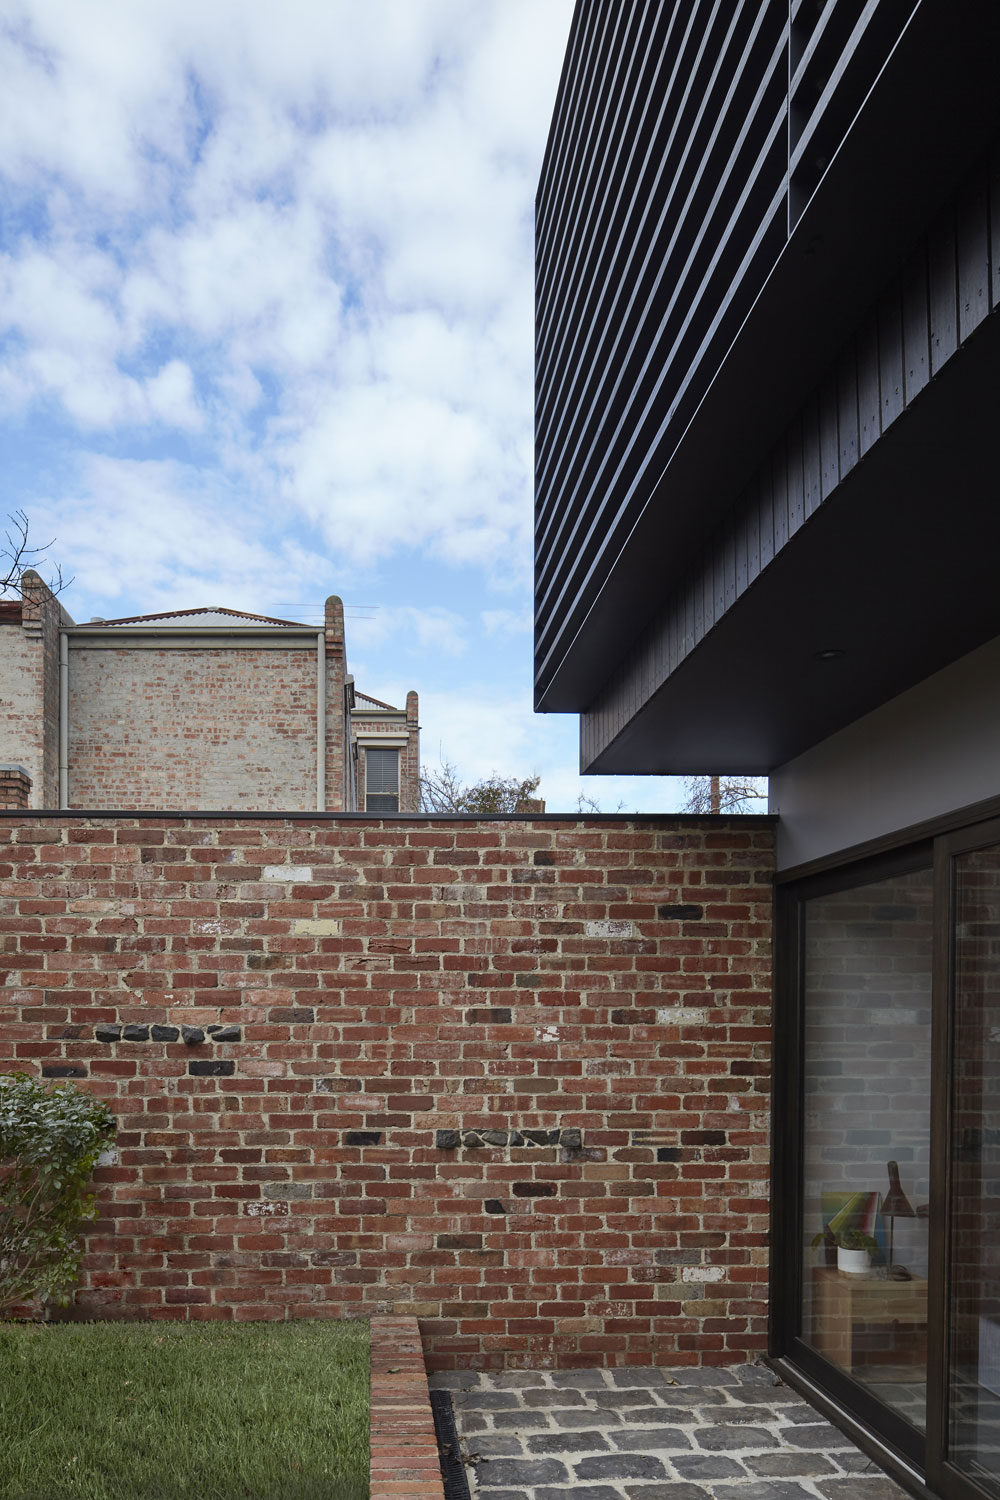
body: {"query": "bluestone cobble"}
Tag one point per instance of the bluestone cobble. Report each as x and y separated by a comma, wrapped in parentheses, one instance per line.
(652, 1434)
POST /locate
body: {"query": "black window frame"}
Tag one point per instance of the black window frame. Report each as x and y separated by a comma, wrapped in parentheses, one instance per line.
(917, 1460)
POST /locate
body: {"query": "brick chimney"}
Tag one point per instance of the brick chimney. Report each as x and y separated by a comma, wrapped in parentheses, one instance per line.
(337, 726)
(15, 788)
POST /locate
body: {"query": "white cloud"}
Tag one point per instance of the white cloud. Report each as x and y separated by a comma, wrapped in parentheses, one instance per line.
(171, 396)
(322, 214)
(408, 631)
(143, 535)
(506, 622)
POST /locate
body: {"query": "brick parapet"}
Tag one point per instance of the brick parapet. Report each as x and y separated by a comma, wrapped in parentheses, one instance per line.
(584, 1001)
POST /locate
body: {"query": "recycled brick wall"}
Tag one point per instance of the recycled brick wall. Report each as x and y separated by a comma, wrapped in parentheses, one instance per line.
(199, 728)
(509, 1077)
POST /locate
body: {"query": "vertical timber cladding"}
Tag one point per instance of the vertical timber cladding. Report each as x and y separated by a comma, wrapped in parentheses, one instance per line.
(686, 143)
(510, 1077)
(661, 206)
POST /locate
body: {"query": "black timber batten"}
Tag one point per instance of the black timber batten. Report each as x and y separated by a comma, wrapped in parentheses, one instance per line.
(722, 197)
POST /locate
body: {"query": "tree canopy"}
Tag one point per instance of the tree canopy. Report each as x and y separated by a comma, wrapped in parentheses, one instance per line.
(441, 790)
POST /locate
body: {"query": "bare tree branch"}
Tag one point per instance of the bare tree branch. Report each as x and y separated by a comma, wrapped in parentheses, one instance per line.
(724, 794)
(17, 557)
(441, 790)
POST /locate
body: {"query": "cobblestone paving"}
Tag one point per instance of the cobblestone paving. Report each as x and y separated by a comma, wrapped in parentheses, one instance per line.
(647, 1434)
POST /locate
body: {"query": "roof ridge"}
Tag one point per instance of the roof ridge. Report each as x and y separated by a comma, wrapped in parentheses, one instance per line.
(205, 609)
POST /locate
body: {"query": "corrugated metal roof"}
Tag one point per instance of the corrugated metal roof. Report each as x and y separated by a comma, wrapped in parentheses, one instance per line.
(374, 702)
(211, 614)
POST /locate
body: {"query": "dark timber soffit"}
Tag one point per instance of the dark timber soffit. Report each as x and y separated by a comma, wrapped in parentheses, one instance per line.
(935, 104)
(897, 570)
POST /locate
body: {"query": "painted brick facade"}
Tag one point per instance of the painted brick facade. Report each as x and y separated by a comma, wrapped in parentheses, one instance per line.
(509, 1077)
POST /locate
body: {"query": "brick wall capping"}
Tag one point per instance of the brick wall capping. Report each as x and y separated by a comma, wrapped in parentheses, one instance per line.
(11, 768)
(168, 635)
(686, 820)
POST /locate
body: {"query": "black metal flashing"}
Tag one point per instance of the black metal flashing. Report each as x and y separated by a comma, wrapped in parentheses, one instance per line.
(693, 820)
(453, 1475)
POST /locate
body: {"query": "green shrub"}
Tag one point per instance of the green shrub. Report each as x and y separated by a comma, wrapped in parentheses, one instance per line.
(50, 1140)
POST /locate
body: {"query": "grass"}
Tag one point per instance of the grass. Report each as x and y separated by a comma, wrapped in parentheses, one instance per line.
(184, 1411)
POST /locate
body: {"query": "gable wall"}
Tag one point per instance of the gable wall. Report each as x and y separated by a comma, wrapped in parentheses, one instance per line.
(193, 728)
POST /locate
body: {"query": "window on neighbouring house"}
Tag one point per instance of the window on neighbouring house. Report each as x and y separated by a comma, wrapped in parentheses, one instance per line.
(382, 781)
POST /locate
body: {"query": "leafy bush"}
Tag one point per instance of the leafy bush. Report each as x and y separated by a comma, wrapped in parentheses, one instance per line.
(50, 1140)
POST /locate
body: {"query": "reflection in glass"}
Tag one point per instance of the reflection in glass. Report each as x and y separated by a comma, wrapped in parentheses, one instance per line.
(867, 1046)
(974, 1424)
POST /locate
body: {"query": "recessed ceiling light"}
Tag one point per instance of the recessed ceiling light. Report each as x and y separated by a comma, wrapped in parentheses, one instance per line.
(830, 654)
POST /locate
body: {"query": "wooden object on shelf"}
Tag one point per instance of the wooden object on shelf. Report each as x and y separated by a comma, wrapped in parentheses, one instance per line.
(841, 1302)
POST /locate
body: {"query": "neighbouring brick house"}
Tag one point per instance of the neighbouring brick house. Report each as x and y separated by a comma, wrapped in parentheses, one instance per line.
(201, 709)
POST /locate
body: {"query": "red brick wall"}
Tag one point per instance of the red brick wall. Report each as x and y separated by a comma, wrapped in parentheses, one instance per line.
(394, 985)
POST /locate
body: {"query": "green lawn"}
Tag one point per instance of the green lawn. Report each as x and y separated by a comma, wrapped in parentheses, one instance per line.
(184, 1411)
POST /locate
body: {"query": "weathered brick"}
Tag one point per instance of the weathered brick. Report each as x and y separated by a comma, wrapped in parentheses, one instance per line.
(534, 1192)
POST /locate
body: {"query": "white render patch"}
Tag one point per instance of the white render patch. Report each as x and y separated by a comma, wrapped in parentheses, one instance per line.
(680, 1015)
(610, 929)
(300, 874)
(269, 1210)
(702, 1273)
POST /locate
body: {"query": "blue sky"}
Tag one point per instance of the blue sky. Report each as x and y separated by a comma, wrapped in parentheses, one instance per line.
(266, 331)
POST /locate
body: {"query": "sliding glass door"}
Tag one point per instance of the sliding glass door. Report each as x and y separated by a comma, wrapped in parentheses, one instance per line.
(887, 1202)
(866, 1132)
(973, 1435)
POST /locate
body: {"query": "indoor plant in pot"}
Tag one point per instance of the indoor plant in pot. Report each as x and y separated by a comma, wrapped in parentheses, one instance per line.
(854, 1248)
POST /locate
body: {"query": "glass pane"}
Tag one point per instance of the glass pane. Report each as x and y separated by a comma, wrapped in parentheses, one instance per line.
(975, 1213)
(867, 1134)
(380, 804)
(382, 771)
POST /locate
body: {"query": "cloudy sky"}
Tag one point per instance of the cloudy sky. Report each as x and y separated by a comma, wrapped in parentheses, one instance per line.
(265, 331)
